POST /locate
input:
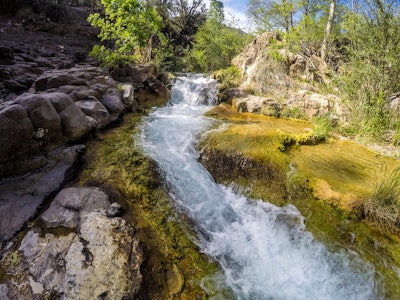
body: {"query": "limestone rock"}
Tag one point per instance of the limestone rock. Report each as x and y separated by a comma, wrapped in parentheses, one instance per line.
(255, 104)
(21, 196)
(313, 104)
(101, 261)
(70, 204)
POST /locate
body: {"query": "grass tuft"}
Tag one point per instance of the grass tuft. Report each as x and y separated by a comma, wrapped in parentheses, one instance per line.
(383, 208)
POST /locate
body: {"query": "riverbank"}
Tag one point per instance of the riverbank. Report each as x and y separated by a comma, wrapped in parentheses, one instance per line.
(321, 180)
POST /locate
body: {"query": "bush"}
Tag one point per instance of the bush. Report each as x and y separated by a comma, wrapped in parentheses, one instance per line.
(229, 77)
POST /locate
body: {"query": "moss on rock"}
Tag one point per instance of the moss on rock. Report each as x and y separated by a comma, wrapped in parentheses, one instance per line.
(173, 265)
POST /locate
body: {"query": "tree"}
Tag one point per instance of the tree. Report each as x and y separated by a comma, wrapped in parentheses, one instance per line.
(273, 14)
(328, 29)
(126, 28)
(371, 73)
(181, 19)
(215, 44)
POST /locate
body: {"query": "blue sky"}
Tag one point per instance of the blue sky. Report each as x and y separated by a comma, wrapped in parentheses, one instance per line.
(237, 9)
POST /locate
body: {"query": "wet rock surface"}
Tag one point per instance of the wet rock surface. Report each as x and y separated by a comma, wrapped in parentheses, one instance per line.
(21, 196)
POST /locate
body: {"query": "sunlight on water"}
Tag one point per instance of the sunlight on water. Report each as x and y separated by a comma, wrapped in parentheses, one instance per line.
(264, 251)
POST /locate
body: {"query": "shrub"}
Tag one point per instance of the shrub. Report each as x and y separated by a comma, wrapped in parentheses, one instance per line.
(229, 77)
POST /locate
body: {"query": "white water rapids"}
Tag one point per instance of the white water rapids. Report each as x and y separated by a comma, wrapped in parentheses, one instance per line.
(264, 251)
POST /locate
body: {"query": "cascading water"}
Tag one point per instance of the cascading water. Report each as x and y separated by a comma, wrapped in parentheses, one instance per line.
(264, 251)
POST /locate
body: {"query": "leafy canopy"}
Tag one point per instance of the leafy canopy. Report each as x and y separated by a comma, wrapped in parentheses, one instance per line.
(126, 28)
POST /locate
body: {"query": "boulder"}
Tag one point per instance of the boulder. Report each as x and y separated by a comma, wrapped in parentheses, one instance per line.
(313, 104)
(101, 261)
(43, 116)
(93, 108)
(71, 204)
(152, 93)
(255, 104)
(75, 123)
(16, 131)
(112, 100)
(21, 196)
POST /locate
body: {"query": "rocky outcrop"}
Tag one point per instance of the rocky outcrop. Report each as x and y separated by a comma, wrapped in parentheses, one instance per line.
(100, 261)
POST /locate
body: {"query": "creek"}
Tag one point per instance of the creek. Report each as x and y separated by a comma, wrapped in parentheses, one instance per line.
(264, 251)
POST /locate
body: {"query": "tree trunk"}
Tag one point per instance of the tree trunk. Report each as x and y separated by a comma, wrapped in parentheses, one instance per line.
(324, 46)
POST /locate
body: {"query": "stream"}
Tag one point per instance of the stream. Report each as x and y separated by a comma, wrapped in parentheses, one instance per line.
(264, 251)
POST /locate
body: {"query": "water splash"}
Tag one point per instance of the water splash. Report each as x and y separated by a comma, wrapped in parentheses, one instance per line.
(264, 251)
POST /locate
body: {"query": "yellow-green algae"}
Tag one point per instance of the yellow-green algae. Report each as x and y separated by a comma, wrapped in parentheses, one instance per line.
(173, 267)
(336, 172)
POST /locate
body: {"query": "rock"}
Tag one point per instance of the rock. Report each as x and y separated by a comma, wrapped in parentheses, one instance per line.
(43, 116)
(22, 165)
(21, 196)
(152, 93)
(93, 108)
(112, 100)
(70, 204)
(4, 292)
(74, 122)
(114, 210)
(16, 131)
(255, 104)
(114, 262)
(313, 104)
(102, 261)
(135, 73)
(128, 95)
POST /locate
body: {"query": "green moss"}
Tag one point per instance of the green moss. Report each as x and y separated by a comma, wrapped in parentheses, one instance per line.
(115, 161)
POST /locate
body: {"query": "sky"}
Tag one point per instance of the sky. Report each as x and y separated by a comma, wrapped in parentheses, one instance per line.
(236, 9)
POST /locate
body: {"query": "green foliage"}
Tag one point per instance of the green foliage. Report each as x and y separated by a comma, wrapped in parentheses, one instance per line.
(126, 27)
(293, 113)
(323, 127)
(181, 20)
(215, 45)
(229, 77)
(369, 77)
(273, 15)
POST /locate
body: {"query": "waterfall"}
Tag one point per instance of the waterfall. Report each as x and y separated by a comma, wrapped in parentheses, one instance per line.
(264, 251)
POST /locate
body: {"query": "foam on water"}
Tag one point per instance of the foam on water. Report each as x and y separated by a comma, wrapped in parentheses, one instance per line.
(264, 251)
